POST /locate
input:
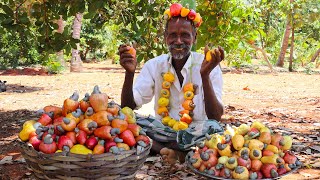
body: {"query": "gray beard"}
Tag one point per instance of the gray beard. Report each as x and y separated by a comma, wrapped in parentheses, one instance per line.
(181, 55)
(178, 56)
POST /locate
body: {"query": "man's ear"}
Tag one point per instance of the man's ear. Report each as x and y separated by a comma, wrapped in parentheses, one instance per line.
(165, 34)
(195, 38)
(165, 38)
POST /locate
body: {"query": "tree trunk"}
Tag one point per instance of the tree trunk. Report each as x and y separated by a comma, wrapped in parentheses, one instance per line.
(76, 63)
(85, 54)
(265, 57)
(61, 24)
(291, 49)
(285, 42)
(292, 41)
(315, 56)
(284, 45)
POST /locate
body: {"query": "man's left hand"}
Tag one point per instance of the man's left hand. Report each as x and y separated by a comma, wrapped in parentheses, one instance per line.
(216, 57)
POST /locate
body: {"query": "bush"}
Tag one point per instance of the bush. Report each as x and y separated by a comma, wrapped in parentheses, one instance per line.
(17, 49)
(53, 65)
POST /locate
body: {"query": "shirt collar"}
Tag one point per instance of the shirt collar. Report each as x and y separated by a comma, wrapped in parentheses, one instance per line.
(186, 65)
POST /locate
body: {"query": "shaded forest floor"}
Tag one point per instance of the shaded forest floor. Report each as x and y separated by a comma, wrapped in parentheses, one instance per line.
(286, 102)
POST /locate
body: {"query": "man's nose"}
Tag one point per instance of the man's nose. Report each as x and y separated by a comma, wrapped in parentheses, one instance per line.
(178, 40)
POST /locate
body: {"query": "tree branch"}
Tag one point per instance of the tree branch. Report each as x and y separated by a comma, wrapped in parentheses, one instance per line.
(263, 53)
(314, 57)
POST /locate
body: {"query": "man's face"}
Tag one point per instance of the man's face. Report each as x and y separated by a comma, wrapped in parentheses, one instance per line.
(179, 37)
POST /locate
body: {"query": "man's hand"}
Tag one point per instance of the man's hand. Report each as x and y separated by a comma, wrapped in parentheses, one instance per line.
(208, 63)
(128, 58)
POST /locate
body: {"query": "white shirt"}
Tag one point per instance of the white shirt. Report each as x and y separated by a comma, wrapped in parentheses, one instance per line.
(149, 84)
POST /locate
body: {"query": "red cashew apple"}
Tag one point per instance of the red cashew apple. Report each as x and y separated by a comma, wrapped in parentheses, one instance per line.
(65, 143)
(109, 144)
(192, 14)
(98, 100)
(48, 146)
(84, 103)
(81, 136)
(128, 138)
(175, 9)
(46, 118)
(91, 142)
(70, 104)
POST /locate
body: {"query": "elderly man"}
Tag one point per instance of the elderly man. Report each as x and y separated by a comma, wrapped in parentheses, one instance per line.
(186, 85)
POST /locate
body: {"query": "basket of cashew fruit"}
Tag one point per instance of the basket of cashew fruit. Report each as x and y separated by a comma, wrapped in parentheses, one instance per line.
(244, 152)
(90, 138)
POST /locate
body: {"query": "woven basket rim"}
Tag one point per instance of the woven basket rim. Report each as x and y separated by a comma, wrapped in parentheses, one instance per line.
(79, 166)
(189, 165)
(133, 151)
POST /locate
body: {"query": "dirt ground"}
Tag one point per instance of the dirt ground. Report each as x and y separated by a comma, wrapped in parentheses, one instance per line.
(286, 102)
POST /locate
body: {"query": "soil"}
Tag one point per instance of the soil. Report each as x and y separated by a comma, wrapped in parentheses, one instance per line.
(286, 102)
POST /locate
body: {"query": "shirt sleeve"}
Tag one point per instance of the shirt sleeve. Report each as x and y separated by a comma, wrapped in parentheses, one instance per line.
(143, 88)
(217, 82)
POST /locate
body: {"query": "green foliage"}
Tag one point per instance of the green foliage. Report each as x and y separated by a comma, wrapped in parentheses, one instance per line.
(102, 40)
(307, 28)
(29, 35)
(143, 24)
(191, 4)
(112, 43)
(53, 65)
(17, 49)
(228, 24)
(34, 25)
(309, 69)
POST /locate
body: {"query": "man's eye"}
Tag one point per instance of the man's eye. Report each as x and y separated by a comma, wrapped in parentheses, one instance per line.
(172, 35)
(185, 35)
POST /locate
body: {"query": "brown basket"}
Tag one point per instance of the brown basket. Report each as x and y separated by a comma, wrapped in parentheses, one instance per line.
(189, 155)
(76, 166)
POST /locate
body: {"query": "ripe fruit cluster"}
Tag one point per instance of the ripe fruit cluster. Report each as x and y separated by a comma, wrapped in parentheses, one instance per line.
(245, 152)
(164, 104)
(89, 126)
(177, 9)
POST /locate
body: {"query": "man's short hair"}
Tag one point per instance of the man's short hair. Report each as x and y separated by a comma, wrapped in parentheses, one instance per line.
(194, 29)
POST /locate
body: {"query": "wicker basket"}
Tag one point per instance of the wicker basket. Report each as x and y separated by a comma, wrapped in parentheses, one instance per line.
(77, 166)
(189, 155)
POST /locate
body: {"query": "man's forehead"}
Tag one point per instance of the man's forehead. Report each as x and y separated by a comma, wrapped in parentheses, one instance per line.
(179, 21)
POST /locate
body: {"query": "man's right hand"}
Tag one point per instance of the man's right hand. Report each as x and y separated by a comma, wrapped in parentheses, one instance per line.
(128, 58)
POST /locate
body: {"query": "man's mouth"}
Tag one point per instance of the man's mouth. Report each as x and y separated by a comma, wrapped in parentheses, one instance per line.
(178, 49)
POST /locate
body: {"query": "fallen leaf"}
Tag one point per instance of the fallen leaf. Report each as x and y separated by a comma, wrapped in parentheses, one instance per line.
(182, 174)
(305, 174)
(190, 178)
(276, 119)
(152, 172)
(316, 155)
(6, 160)
(144, 167)
(20, 160)
(149, 178)
(316, 165)
(298, 148)
(246, 88)
(158, 165)
(308, 166)
(307, 151)
(140, 175)
(175, 178)
(317, 148)
(153, 159)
